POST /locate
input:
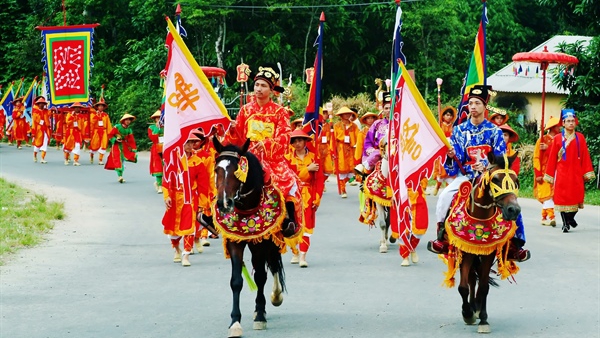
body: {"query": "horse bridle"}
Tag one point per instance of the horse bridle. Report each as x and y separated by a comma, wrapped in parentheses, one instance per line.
(238, 195)
(507, 186)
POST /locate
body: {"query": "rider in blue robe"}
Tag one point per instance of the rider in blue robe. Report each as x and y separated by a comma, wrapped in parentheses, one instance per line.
(472, 140)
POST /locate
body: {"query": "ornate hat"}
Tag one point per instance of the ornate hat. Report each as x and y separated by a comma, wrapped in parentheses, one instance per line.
(156, 114)
(76, 105)
(269, 75)
(101, 102)
(41, 99)
(449, 109)
(346, 110)
(514, 137)
(299, 133)
(481, 92)
(367, 115)
(498, 112)
(127, 116)
(553, 121)
(566, 113)
(387, 97)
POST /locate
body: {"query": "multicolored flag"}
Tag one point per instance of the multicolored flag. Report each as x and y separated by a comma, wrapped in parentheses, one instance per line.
(191, 103)
(415, 142)
(29, 99)
(67, 57)
(477, 72)
(6, 106)
(312, 118)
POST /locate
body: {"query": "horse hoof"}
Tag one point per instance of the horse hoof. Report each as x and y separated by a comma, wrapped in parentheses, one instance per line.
(276, 300)
(383, 248)
(484, 328)
(260, 325)
(470, 320)
(235, 330)
(392, 240)
(405, 262)
(414, 257)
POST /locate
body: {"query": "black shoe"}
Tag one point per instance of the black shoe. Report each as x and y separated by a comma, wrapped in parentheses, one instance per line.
(573, 224)
(565, 228)
(290, 230)
(437, 247)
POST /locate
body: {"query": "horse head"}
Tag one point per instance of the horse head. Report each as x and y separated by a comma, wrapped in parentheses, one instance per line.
(502, 185)
(238, 174)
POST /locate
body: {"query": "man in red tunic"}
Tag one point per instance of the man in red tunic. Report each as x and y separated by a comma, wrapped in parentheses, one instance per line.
(569, 167)
(267, 126)
(99, 127)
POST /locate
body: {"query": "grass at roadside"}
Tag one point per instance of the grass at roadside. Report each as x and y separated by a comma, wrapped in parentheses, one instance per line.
(24, 217)
(592, 196)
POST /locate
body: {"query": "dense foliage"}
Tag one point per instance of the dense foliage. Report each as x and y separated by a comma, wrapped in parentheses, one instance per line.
(438, 37)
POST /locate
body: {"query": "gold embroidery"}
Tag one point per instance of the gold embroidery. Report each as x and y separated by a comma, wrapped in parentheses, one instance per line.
(259, 130)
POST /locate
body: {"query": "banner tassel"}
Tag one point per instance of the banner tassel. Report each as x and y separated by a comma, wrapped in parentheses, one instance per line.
(251, 285)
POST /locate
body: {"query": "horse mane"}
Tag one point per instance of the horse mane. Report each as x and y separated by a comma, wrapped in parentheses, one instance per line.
(498, 161)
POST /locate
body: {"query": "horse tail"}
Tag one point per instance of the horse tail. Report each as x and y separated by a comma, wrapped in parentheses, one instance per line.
(275, 263)
(476, 267)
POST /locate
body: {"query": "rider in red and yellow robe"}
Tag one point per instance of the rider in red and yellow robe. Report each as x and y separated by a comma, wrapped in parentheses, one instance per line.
(267, 126)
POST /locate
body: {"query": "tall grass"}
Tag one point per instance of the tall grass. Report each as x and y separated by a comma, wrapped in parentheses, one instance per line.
(24, 217)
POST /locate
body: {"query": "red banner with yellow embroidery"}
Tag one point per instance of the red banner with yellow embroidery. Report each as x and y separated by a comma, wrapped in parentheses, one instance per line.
(67, 52)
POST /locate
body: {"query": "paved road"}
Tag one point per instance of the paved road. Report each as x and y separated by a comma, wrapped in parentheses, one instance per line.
(107, 271)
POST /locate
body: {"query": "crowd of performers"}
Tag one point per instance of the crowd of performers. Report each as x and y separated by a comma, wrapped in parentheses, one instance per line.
(349, 148)
(75, 129)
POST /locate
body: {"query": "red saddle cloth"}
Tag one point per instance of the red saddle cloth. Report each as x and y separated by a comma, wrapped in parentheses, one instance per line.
(474, 235)
(262, 224)
(377, 187)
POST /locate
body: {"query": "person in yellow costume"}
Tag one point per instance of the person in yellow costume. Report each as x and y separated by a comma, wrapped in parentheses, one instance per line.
(542, 190)
(206, 152)
(40, 128)
(175, 225)
(303, 163)
(99, 127)
(20, 126)
(345, 134)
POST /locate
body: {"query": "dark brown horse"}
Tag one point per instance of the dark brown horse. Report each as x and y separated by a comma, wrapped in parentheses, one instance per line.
(233, 195)
(496, 189)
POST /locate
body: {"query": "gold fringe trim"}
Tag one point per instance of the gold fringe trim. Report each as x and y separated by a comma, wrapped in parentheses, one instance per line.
(478, 249)
(274, 234)
(377, 199)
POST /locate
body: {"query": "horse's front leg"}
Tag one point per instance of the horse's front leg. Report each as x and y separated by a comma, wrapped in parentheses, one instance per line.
(236, 252)
(260, 277)
(482, 292)
(463, 288)
(383, 225)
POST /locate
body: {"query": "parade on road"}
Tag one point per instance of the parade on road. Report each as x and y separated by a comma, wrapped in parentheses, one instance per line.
(344, 222)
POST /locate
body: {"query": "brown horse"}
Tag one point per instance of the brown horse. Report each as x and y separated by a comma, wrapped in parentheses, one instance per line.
(493, 192)
(243, 197)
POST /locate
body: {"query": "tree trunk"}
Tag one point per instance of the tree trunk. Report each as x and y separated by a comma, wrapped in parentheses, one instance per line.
(220, 44)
